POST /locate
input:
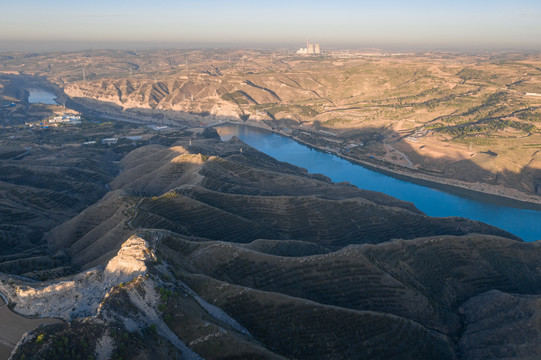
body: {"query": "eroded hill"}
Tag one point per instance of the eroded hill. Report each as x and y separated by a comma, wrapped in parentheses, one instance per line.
(210, 249)
(434, 114)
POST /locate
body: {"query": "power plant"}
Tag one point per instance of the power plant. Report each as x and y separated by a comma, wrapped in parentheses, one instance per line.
(310, 49)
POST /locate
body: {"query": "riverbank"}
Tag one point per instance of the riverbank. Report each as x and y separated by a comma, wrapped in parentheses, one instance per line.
(498, 193)
(520, 219)
(477, 191)
(507, 196)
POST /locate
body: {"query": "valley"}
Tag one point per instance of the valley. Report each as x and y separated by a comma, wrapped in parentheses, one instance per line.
(428, 115)
(146, 236)
(201, 249)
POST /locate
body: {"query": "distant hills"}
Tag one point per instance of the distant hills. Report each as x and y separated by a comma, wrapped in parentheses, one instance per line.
(442, 111)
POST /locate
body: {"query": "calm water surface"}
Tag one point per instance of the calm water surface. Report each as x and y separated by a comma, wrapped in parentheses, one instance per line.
(41, 96)
(521, 222)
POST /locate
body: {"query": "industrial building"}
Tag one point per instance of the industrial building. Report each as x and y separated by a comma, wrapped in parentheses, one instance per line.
(310, 49)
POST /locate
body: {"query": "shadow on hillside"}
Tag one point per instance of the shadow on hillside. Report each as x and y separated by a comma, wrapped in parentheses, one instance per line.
(368, 145)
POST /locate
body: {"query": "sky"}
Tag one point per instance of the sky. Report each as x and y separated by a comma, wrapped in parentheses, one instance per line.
(480, 25)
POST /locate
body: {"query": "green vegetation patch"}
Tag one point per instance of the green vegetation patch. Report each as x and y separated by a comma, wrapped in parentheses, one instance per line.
(129, 344)
(273, 109)
(335, 121)
(484, 126)
(75, 340)
(238, 97)
(529, 115)
(532, 145)
(473, 74)
(305, 110)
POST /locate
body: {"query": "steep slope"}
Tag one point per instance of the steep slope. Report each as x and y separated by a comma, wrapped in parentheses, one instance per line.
(495, 326)
(236, 255)
(440, 116)
(217, 191)
(40, 188)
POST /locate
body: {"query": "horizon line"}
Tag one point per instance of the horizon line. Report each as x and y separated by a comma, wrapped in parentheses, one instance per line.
(51, 46)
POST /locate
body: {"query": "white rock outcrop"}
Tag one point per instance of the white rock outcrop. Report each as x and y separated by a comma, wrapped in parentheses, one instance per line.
(79, 295)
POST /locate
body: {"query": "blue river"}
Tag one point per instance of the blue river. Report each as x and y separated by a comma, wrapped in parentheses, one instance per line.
(523, 222)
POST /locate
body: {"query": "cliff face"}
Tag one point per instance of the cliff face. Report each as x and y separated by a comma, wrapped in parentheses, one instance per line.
(231, 96)
(240, 256)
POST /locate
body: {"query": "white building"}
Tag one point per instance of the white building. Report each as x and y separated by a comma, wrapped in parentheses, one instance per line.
(71, 119)
(310, 49)
(159, 128)
(109, 141)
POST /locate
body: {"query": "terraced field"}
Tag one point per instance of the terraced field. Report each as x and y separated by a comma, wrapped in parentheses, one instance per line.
(39, 192)
(47, 177)
(423, 280)
(255, 258)
(247, 257)
(307, 268)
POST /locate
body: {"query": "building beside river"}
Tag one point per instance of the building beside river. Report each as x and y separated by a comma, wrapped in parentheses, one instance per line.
(71, 119)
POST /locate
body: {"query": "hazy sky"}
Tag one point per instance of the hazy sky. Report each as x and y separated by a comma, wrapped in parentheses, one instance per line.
(340, 23)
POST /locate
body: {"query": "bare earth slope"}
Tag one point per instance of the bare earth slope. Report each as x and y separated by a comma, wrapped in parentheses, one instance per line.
(202, 249)
(469, 120)
(40, 188)
(229, 254)
(433, 114)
